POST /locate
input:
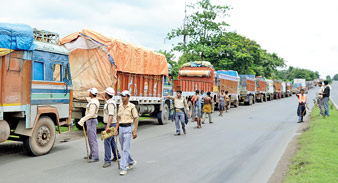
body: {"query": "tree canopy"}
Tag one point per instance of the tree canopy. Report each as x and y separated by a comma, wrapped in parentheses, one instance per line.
(205, 38)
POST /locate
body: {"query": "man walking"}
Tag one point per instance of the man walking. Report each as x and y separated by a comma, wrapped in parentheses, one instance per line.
(320, 98)
(197, 108)
(127, 115)
(90, 118)
(326, 97)
(202, 103)
(301, 110)
(207, 108)
(109, 118)
(180, 104)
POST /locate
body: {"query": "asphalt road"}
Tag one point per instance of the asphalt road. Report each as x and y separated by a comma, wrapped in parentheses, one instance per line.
(243, 146)
(334, 93)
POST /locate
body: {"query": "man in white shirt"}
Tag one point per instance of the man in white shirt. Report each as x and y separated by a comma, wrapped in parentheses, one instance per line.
(109, 118)
(320, 98)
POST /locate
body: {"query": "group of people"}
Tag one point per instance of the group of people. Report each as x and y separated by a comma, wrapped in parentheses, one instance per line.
(202, 106)
(122, 119)
(322, 100)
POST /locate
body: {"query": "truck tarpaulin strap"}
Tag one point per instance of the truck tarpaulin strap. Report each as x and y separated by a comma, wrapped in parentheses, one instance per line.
(16, 36)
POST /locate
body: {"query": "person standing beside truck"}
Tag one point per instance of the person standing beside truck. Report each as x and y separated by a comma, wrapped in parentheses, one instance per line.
(320, 98)
(326, 98)
(221, 103)
(301, 110)
(207, 108)
(92, 109)
(127, 115)
(109, 118)
(202, 103)
(180, 104)
(197, 108)
(227, 100)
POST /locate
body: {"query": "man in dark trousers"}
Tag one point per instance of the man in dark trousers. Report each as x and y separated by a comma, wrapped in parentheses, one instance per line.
(301, 110)
(326, 98)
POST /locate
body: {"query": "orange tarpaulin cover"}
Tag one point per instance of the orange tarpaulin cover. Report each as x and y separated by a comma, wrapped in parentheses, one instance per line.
(91, 66)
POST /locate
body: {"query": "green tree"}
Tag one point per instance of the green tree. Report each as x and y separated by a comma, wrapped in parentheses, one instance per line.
(329, 79)
(335, 77)
(199, 28)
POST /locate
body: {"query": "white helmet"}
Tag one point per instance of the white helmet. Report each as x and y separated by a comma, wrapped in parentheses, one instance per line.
(125, 93)
(93, 91)
(110, 91)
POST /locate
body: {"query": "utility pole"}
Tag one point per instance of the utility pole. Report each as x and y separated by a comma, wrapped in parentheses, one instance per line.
(184, 24)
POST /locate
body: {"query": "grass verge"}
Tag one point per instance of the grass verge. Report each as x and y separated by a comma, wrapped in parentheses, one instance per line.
(317, 158)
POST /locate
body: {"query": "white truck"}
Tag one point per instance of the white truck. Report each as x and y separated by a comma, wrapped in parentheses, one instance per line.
(269, 89)
(299, 84)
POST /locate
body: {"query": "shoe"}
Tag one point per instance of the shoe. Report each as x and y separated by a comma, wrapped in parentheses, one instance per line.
(177, 134)
(115, 159)
(86, 157)
(123, 172)
(184, 131)
(130, 166)
(211, 122)
(203, 122)
(93, 160)
(299, 121)
(106, 165)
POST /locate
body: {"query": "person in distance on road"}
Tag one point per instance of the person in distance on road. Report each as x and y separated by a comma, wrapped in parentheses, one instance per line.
(127, 115)
(203, 94)
(109, 118)
(221, 102)
(320, 98)
(180, 104)
(90, 118)
(207, 108)
(227, 100)
(197, 102)
(326, 97)
(301, 110)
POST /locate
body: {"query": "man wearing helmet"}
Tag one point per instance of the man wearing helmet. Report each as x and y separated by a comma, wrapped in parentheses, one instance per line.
(127, 115)
(109, 118)
(92, 109)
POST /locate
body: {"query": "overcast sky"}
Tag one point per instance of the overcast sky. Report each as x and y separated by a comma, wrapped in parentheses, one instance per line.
(303, 32)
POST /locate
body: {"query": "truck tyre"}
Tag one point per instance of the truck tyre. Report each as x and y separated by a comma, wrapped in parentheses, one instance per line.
(163, 116)
(43, 137)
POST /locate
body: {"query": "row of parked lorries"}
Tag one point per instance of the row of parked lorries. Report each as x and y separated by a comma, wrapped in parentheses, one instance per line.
(44, 81)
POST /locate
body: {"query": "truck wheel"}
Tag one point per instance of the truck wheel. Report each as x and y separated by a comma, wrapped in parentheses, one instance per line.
(163, 116)
(43, 137)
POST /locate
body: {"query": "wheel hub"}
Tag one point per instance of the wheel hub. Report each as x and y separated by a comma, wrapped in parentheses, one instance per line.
(43, 135)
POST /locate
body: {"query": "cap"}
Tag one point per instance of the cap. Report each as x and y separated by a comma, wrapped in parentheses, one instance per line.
(125, 93)
(110, 91)
(93, 91)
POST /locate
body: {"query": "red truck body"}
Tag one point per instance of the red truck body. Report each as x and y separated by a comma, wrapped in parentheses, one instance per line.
(190, 83)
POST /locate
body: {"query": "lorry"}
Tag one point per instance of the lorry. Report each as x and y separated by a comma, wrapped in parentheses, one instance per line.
(247, 89)
(100, 61)
(283, 89)
(270, 89)
(228, 80)
(277, 89)
(288, 89)
(299, 84)
(34, 100)
(261, 89)
(196, 75)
